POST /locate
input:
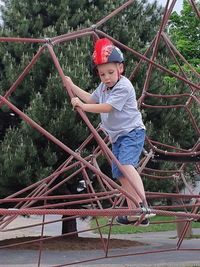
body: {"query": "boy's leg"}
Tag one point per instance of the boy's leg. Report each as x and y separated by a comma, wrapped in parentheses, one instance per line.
(137, 191)
(127, 150)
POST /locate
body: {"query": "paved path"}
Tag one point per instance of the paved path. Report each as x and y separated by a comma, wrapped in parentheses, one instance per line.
(156, 241)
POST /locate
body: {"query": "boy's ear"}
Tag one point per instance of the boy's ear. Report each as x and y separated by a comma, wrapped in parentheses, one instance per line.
(121, 68)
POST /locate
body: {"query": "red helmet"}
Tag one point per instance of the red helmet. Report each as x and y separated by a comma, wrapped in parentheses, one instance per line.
(106, 52)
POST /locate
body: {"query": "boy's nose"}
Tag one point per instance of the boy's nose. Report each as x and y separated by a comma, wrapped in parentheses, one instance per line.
(106, 77)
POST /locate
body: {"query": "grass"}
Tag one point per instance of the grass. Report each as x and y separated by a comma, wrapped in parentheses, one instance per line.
(130, 229)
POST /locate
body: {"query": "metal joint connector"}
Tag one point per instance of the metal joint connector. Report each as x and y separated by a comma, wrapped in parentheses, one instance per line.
(94, 26)
(77, 151)
(47, 40)
(146, 210)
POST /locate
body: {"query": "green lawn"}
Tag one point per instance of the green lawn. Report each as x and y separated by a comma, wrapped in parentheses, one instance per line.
(129, 229)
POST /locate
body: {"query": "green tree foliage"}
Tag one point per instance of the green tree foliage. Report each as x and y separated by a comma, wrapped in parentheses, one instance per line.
(184, 30)
(174, 126)
(27, 155)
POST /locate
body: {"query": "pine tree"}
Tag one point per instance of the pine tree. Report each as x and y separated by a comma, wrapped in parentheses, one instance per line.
(41, 93)
(28, 156)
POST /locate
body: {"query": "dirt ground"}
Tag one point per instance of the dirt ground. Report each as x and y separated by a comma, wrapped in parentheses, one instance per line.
(63, 243)
(18, 231)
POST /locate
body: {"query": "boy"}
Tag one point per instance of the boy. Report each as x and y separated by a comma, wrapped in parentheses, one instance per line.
(116, 102)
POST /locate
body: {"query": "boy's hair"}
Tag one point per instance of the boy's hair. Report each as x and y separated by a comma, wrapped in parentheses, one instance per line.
(106, 52)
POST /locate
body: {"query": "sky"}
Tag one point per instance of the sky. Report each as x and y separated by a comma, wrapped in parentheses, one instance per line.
(177, 7)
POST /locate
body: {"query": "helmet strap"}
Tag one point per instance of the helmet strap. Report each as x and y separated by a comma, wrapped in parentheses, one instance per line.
(119, 73)
(120, 69)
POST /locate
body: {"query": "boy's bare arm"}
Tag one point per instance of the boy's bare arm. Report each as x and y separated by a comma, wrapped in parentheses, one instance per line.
(83, 95)
(94, 108)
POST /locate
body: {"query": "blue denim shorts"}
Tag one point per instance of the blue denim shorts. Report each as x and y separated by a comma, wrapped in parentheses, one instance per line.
(127, 149)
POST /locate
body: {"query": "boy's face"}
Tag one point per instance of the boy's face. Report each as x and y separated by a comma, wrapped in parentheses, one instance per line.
(109, 73)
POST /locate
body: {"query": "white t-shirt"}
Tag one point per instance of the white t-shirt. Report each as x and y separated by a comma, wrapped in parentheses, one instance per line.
(125, 115)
